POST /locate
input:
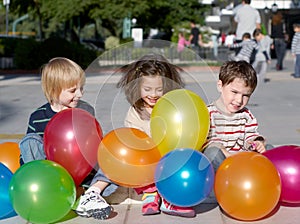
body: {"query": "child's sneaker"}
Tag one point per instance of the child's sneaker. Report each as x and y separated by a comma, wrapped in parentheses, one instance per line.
(170, 209)
(151, 203)
(91, 204)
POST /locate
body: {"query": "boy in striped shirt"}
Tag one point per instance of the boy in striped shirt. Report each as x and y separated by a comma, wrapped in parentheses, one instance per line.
(233, 127)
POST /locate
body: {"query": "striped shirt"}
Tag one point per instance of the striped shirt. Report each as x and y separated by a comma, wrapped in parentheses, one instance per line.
(295, 48)
(40, 117)
(231, 131)
(247, 47)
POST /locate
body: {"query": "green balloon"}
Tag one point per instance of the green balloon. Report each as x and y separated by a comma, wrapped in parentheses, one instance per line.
(42, 191)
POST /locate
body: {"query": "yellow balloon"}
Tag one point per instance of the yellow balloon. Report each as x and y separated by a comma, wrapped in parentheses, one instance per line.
(180, 119)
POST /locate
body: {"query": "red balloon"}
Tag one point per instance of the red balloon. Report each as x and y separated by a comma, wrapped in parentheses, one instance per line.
(287, 161)
(71, 139)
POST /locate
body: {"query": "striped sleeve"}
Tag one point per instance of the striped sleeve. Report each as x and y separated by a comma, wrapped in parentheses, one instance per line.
(39, 119)
(232, 132)
(295, 48)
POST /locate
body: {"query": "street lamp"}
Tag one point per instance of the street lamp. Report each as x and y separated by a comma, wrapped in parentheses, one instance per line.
(6, 3)
(133, 22)
(274, 7)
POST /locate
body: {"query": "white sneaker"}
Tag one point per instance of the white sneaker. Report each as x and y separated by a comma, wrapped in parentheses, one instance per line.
(91, 204)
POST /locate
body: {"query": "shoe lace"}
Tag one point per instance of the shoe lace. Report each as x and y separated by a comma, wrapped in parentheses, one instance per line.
(91, 196)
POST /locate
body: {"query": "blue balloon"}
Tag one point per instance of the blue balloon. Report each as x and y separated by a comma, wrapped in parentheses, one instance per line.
(6, 209)
(184, 177)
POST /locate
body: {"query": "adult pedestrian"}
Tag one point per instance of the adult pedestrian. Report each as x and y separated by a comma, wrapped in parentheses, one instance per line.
(195, 38)
(247, 19)
(278, 35)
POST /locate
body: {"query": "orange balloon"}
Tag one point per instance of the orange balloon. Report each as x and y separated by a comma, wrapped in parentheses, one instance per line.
(247, 186)
(10, 155)
(128, 157)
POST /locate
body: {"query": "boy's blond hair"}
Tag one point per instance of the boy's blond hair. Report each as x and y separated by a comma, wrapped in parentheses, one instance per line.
(59, 74)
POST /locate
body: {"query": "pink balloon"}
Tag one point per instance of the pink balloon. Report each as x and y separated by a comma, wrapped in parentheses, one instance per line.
(71, 139)
(287, 161)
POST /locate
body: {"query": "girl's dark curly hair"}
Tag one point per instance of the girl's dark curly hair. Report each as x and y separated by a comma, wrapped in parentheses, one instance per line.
(148, 65)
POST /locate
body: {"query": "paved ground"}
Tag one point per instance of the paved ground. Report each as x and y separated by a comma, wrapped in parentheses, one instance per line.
(275, 103)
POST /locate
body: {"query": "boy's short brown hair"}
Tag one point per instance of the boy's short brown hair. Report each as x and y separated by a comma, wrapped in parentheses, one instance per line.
(231, 70)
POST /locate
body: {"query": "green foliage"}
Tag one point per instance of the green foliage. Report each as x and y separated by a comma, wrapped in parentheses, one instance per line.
(7, 46)
(30, 54)
(26, 55)
(111, 42)
(181, 27)
(127, 40)
(71, 16)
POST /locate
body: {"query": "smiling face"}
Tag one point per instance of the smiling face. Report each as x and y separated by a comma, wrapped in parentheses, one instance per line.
(68, 98)
(151, 89)
(234, 96)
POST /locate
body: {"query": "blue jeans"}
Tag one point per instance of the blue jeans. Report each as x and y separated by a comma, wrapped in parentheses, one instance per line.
(297, 66)
(111, 188)
(280, 49)
(215, 156)
(32, 148)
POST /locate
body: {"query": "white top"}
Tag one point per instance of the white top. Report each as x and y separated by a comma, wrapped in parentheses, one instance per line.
(133, 120)
(246, 18)
(264, 45)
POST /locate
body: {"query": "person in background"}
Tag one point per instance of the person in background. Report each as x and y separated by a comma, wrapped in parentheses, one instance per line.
(295, 49)
(247, 19)
(195, 38)
(279, 37)
(182, 43)
(230, 39)
(144, 82)
(263, 56)
(247, 48)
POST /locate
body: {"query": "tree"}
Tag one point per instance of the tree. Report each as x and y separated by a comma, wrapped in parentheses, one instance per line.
(68, 17)
(32, 7)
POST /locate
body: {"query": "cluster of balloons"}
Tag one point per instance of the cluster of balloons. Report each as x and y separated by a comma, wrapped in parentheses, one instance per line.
(179, 126)
(247, 185)
(44, 191)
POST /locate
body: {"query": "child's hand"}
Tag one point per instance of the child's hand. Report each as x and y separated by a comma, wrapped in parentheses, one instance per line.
(258, 146)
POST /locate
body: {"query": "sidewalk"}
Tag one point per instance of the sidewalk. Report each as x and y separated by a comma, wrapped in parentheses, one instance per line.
(276, 105)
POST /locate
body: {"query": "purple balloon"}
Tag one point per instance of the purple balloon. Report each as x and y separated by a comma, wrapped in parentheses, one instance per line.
(287, 161)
